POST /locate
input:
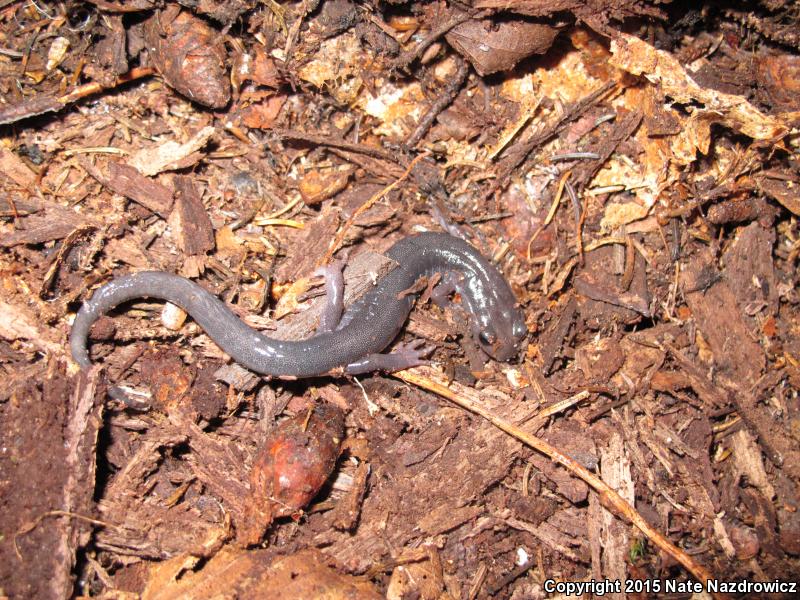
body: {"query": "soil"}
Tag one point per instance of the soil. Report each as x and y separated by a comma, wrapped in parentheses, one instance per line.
(632, 169)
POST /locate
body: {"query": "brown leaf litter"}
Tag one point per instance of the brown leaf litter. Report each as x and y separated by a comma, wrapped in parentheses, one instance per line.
(630, 166)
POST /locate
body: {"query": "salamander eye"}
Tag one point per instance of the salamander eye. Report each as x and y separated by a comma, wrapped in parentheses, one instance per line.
(487, 338)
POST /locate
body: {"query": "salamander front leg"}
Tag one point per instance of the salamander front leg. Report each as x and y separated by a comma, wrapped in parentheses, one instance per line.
(449, 282)
(404, 356)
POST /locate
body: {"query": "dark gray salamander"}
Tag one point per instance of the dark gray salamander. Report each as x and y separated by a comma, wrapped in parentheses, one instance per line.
(367, 327)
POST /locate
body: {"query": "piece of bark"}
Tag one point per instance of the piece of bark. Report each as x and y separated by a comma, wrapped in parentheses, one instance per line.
(348, 509)
(49, 437)
(550, 536)
(171, 155)
(147, 525)
(745, 541)
(762, 513)
(692, 375)
(787, 193)
(747, 456)
(80, 441)
(40, 229)
(658, 119)
(17, 322)
(567, 434)
(131, 250)
(218, 464)
(16, 170)
(429, 326)
(316, 186)
(552, 341)
(190, 220)
(773, 437)
(408, 493)
(593, 282)
(600, 359)
(127, 181)
(111, 50)
(749, 271)
(305, 248)
(621, 131)
(661, 68)
(360, 275)
(17, 207)
(415, 450)
(718, 317)
(779, 78)
(789, 536)
(447, 518)
(237, 377)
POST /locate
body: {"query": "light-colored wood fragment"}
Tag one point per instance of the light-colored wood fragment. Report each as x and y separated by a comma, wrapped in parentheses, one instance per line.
(614, 534)
(747, 456)
(19, 323)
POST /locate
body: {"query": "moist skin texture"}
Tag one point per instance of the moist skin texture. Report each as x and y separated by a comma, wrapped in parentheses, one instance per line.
(366, 328)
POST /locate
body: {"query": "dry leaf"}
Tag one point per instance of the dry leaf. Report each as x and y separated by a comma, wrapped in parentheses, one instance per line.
(493, 46)
(264, 110)
(640, 58)
(241, 574)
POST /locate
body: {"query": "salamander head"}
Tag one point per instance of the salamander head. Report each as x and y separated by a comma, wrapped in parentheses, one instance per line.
(501, 332)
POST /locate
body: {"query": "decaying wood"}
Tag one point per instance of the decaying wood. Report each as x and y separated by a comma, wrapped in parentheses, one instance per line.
(127, 181)
(609, 498)
(637, 190)
(193, 227)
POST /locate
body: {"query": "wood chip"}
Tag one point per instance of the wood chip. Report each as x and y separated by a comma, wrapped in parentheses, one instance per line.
(171, 155)
(127, 181)
(748, 459)
(189, 219)
(16, 170)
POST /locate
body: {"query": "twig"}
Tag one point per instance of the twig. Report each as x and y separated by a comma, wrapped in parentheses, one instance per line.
(444, 100)
(11, 53)
(95, 87)
(379, 168)
(28, 527)
(575, 156)
(323, 140)
(491, 217)
(45, 103)
(294, 31)
(610, 499)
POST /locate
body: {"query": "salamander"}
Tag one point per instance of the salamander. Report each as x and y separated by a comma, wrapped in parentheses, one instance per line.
(366, 327)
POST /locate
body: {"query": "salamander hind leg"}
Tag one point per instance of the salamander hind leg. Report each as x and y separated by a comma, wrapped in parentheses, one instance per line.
(404, 356)
(334, 295)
